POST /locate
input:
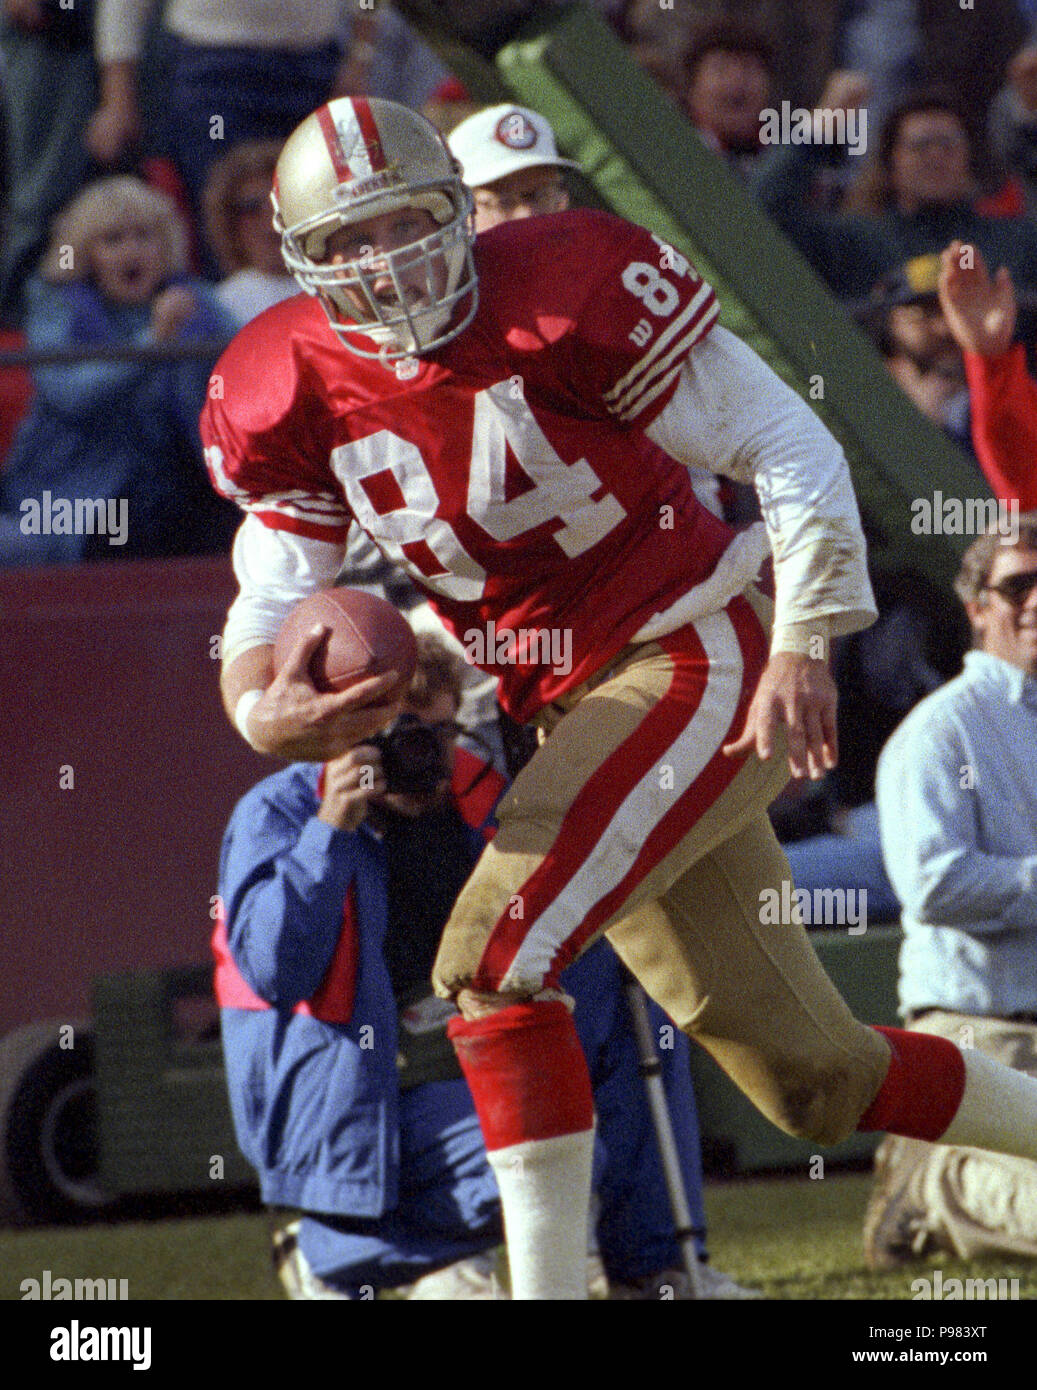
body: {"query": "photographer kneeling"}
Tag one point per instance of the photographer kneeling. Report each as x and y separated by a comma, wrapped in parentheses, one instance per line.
(335, 882)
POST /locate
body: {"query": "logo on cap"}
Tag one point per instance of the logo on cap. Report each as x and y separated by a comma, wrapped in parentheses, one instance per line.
(515, 131)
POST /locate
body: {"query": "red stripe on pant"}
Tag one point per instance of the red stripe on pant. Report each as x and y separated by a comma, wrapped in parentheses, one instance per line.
(526, 1071)
(588, 817)
(714, 779)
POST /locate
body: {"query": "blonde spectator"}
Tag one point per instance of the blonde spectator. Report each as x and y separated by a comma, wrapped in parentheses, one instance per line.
(115, 439)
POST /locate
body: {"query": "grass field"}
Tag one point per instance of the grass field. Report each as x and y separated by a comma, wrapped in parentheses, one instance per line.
(790, 1237)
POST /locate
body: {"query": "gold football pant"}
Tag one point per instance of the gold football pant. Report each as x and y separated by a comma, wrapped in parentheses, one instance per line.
(630, 820)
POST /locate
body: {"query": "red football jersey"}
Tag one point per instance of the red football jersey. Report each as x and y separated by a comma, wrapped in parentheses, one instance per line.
(507, 471)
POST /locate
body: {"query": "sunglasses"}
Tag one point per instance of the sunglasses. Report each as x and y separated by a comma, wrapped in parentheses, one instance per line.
(1016, 588)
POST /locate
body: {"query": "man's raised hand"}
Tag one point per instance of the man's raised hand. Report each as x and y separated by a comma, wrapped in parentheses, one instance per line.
(980, 311)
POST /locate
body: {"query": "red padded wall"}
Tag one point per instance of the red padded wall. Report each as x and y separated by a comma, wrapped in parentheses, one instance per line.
(106, 669)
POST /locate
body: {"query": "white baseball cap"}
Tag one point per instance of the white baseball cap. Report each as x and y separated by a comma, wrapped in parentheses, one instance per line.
(500, 141)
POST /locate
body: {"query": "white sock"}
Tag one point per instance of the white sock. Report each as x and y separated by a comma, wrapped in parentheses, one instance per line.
(545, 1193)
(998, 1109)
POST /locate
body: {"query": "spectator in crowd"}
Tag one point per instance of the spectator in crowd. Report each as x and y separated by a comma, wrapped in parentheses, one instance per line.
(235, 70)
(449, 105)
(917, 196)
(240, 231)
(728, 70)
(123, 431)
(65, 124)
(957, 796)
(657, 40)
(980, 311)
(801, 35)
(882, 40)
(906, 321)
(345, 1091)
(386, 58)
(904, 44)
(965, 50)
(1012, 124)
(43, 49)
(511, 163)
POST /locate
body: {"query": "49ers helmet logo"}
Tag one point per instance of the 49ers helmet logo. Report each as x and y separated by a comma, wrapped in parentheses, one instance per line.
(515, 131)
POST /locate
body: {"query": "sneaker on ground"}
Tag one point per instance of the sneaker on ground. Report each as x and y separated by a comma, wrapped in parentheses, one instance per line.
(293, 1268)
(475, 1277)
(896, 1231)
(673, 1284)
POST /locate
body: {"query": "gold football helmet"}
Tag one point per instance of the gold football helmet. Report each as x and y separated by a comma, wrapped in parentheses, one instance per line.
(357, 158)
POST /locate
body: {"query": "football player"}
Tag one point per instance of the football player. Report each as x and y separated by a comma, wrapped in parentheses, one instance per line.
(511, 419)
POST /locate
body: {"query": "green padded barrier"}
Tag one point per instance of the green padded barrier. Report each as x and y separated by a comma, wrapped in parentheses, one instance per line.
(163, 1111)
(646, 162)
(164, 1114)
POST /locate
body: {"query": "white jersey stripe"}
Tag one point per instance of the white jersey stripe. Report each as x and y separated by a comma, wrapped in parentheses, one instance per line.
(322, 510)
(635, 399)
(646, 804)
(688, 313)
(308, 500)
(657, 390)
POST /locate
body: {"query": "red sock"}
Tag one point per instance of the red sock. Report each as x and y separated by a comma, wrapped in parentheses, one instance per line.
(526, 1071)
(923, 1087)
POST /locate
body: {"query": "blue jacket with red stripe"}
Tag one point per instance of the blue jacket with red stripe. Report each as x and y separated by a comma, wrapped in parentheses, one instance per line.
(307, 1008)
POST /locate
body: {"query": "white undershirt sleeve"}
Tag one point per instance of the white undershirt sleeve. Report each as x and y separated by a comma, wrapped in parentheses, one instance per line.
(274, 570)
(731, 414)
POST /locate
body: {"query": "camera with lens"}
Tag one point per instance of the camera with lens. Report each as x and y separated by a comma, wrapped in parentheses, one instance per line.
(414, 758)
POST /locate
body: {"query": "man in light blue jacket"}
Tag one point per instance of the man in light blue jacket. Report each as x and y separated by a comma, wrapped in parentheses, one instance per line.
(957, 797)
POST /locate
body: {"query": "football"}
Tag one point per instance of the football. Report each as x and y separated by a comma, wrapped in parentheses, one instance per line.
(366, 636)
